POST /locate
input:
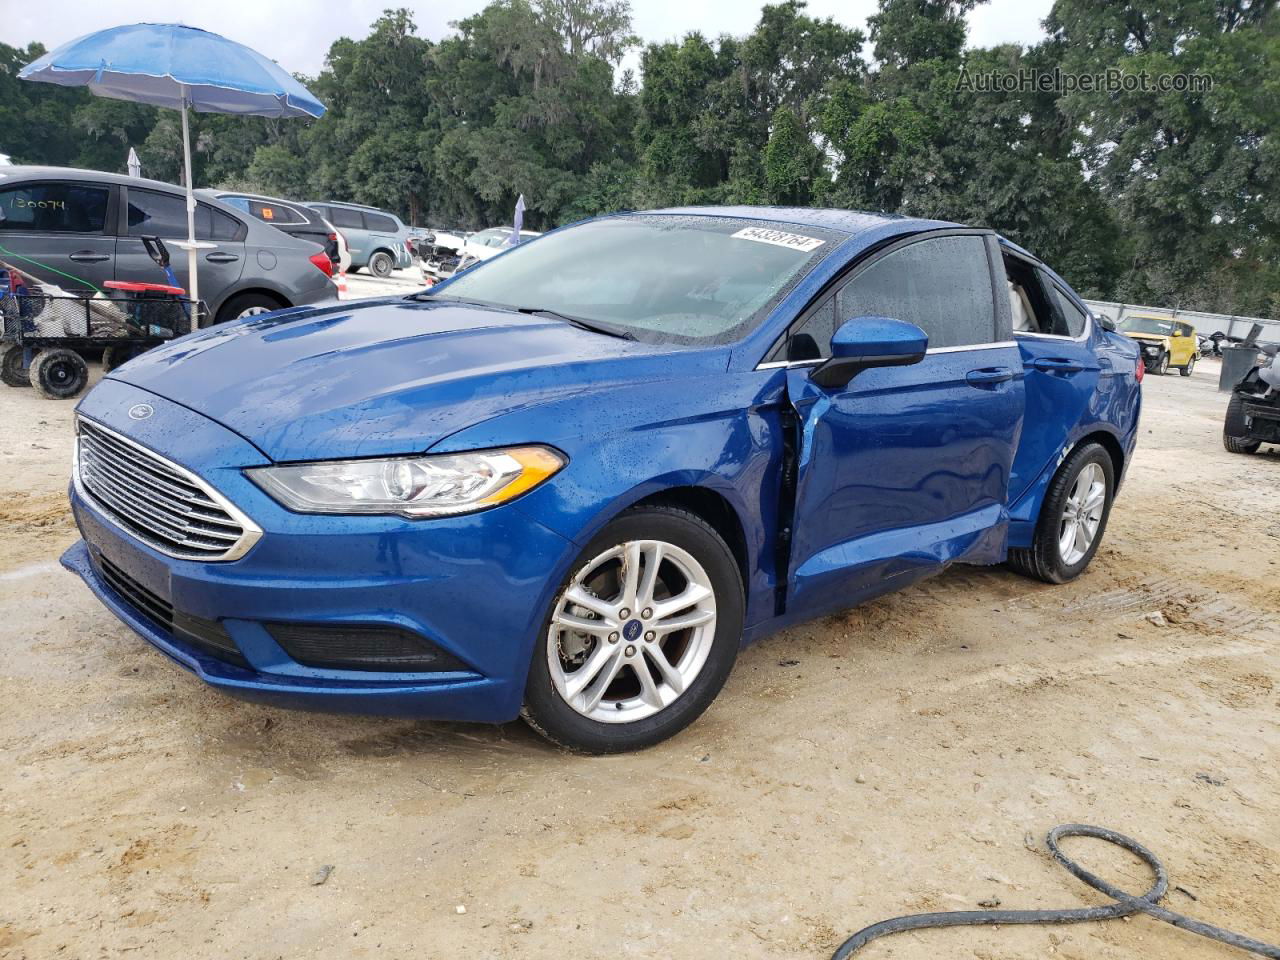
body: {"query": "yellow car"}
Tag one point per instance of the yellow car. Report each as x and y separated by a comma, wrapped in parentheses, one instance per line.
(1165, 343)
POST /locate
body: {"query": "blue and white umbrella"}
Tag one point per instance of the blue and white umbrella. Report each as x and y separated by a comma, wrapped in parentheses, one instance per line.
(171, 65)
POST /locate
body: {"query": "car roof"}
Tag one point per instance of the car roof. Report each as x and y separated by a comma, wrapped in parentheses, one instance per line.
(350, 206)
(845, 221)
(256, 196)
(100, 176)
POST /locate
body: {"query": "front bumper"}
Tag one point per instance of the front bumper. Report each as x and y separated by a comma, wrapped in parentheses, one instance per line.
(475, 587)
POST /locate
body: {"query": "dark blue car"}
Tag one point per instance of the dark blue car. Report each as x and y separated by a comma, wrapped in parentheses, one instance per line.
(570, 483)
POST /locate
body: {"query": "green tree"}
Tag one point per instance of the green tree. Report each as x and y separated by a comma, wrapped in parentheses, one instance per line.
(1192, 174)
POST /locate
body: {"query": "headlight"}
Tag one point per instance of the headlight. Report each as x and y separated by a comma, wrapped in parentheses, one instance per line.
(426, 486)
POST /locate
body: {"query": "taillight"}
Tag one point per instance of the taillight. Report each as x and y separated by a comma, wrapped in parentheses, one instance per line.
(322, 263)
(1142, 367)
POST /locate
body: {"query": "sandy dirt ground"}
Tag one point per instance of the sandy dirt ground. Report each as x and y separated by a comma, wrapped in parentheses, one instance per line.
(909, 755)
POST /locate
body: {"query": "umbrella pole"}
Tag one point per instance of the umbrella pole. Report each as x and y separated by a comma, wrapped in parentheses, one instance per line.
(192, 282)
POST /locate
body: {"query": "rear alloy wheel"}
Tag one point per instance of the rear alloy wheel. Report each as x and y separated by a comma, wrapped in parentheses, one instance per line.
(381, 264)
(12, 372)
(1185, 369)
(1072, 518)
(640, 638)
(59, 374)
(1235, 432)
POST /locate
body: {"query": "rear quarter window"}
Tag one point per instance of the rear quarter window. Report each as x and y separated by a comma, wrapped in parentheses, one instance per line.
(1072, 316)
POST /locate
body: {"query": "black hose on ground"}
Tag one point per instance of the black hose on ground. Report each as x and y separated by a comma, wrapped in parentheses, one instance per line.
(1125, 904)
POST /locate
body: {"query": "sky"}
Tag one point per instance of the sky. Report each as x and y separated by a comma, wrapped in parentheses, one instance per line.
(297, 33)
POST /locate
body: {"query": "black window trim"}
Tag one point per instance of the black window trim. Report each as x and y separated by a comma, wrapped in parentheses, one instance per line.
(1039, 265)
(108, 218)
(1001, 336)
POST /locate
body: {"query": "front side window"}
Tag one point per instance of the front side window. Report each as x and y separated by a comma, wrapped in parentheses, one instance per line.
(942, 285)
(1155, 325)
(659, 278)
(54, 208)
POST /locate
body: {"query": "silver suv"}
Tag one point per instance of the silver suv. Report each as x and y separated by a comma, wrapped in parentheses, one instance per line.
(377, 239)
(77, 229)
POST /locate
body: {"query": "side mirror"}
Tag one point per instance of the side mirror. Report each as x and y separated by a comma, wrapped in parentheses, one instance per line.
(866, 342)
(1106, 323)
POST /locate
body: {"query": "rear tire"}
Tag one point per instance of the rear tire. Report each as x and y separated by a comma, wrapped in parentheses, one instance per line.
(59, 374)
(247, 305)
(1185, 369)
(12, 372)
(1235, 433)
(566, 705)
(381, 264)
(1064, 502)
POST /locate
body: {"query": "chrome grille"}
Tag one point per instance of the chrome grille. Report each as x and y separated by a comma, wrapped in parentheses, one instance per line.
(157, 501)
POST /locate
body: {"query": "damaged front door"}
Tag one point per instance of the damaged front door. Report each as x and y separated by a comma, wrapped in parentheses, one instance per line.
(905, 468)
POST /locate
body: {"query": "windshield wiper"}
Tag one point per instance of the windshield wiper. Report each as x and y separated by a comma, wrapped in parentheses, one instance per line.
(592, 325)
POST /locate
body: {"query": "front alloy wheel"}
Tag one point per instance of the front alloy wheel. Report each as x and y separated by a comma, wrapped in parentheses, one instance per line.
(631, 632)
(640, 637)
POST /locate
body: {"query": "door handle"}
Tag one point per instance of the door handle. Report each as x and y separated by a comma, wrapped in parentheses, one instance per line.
(88, 256)
(1057, 365)
(222, 258)
(988, 376)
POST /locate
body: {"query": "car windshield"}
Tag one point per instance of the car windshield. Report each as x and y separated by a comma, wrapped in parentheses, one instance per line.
(1146, 325)
(659, 278)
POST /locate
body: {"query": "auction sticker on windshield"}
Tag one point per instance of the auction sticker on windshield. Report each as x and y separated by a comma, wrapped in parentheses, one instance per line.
(793, 240)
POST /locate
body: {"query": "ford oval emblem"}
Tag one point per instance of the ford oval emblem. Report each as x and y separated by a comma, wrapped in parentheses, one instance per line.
(140, 411)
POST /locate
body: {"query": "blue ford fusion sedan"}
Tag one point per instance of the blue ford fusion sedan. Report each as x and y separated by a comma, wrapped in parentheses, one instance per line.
(570, 483)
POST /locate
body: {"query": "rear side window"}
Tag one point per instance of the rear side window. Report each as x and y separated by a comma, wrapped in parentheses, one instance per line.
(1073, 318)
(54, 208)
(942, 285)
(376, 221)
(351, 219)
(165, 215)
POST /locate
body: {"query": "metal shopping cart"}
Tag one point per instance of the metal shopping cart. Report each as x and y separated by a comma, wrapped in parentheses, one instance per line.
(45, 335)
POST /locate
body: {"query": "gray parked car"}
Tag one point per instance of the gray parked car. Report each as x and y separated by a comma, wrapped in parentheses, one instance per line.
(78, 229)
(378, 240)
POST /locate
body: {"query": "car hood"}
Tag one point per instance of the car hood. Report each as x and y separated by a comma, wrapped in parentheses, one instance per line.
(391, 376)
(1148, 337)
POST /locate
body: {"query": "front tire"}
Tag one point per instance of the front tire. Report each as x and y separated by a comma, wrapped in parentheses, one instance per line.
(1235, 432)
(1072, 520)
(1185, 369)
(59, 374)
(640, 637)
(1162, 365)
